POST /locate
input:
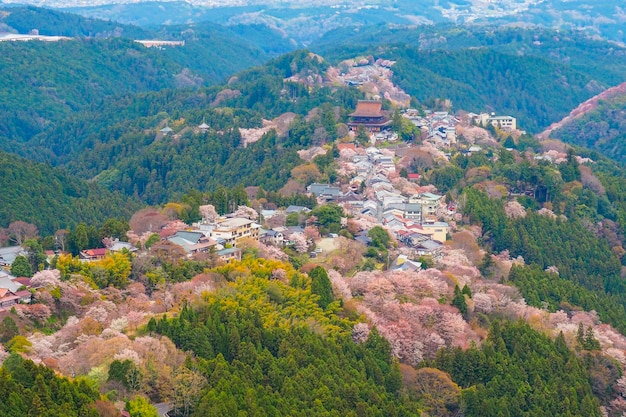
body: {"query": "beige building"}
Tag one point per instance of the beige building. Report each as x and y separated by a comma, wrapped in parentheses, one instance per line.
(235, 229)
(502, 122)
(430, 204)
(437, 230)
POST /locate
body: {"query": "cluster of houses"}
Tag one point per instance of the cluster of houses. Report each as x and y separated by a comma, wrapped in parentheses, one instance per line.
(412, 219)
(13, 290)
(438, 127)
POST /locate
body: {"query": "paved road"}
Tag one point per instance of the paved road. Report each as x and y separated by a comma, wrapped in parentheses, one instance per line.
(163, 408)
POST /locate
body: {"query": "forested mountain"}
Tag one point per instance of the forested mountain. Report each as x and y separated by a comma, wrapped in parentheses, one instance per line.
(484, 79)
(52, 199)
(57, 23)
(602, 127)
(69, 76)
(601, 59)
(47, 82)
(308, 22)
(536, 75)
(120, 143)
(315, 326)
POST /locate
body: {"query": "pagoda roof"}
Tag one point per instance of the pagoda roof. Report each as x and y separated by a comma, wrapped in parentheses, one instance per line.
(368, 108)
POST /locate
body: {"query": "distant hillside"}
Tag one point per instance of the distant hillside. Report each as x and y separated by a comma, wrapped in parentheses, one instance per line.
(52, 199)
(601, 59)
(536, 75)
(306, 22)
(534, 90)
(56, 23)
(599, 124)
(120, 144)
(46, 82)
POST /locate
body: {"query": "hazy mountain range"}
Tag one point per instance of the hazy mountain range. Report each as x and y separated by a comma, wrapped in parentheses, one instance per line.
(306, 21)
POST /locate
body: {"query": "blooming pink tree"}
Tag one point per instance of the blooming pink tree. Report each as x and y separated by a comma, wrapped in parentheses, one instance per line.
(299, 242)
(48, 278)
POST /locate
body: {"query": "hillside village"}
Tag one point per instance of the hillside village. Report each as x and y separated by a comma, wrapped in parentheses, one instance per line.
(383, 233)
(370, 192)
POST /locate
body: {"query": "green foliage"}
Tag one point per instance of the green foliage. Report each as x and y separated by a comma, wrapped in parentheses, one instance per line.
(445, 178)
(56, 23)
(459, 300)
(380, 237)
(601, 129)
(154, 238)
(510, 372)
(52, 199)
(328, 217)
(18, 344)
(543, 289)
(114, 228)
(140, 407)
(227, 200)
(125, 372)
(21, 267)
(582, 258)
(32, 390)
(586, 340)
(36, 255)
(79, 239)
(293, 219)
(283, 355)
(8, 329)
(427, 261)
(320, 285)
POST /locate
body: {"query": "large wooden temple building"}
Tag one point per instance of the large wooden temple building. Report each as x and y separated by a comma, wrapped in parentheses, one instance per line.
(370, 115)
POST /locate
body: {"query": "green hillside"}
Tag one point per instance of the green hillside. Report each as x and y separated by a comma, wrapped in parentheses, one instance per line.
(603, 129)
(56, 23)
(52, 199)
(537, 76)
(69, 76)
(534, 90)
(119, 142)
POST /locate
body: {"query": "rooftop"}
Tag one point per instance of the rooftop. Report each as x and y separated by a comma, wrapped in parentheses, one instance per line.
(368, 108)
(235, 222)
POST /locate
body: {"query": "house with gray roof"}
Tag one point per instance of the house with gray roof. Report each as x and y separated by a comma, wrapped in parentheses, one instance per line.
(297, 209)
(403, 263)
(193, 241)
(326, 191)
(8, 255)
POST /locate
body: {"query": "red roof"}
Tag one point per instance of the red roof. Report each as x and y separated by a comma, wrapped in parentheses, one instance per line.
(413, 176)
(23, 280)
(368, 108)
(96, 252)
(342, 146)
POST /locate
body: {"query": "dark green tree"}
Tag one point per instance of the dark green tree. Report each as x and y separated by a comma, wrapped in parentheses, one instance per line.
(114, 228)
(459, 300)
(321, 286)
(36, 255)
(380, 237)
(79, 238)
(8, 329)
(21, 267)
